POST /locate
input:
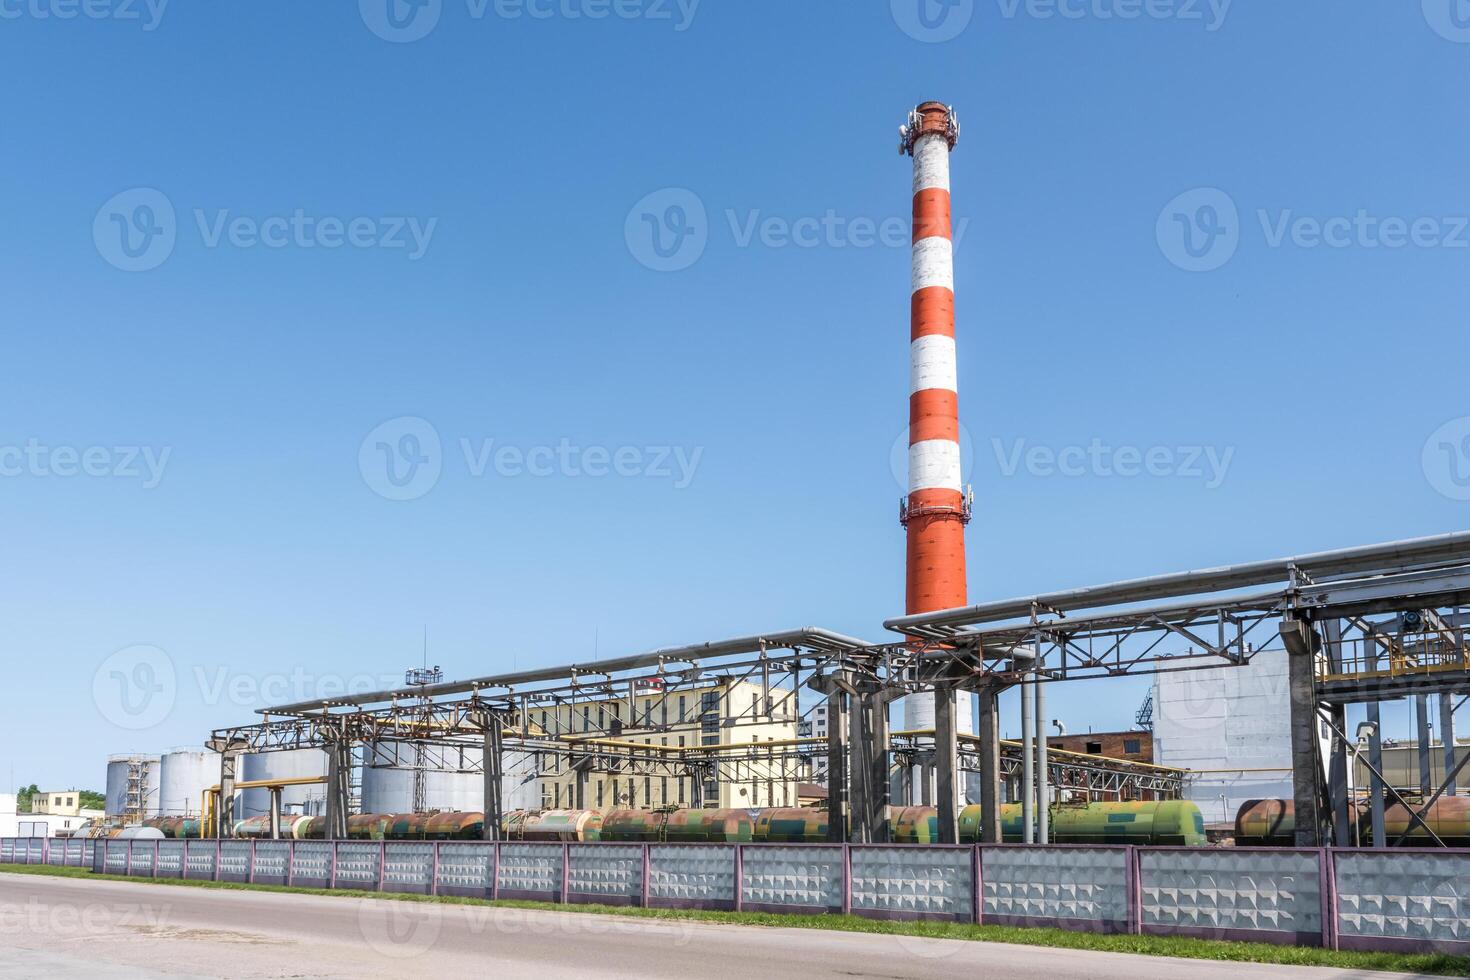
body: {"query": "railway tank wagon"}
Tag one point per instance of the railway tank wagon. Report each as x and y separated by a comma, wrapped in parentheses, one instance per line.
(679, 826)
(1272, 823)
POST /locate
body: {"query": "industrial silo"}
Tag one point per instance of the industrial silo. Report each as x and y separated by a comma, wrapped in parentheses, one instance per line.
(133, 785)
(519, 786)
(302, 798)
(184, 776)
(399, 778)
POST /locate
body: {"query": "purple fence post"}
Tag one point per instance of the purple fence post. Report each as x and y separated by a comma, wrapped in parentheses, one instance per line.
(184, 860)
(128, 865)
(157, 846)
(566, 872)
(219, 853)
(332, 866)
(290, 860)
(45, 850)
(434, 869)
(495, 871)
(977, 877)
(382, 863)
(847, 879)
(1328, 889)
(647, 869)
(250, 869)
(1135, 892)
(739, 877)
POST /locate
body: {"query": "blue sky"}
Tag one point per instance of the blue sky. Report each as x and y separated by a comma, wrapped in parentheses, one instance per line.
(288, 310)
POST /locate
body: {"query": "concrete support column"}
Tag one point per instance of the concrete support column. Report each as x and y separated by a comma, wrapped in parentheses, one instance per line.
(990, 794)
(837, 772)
(1306, 768)
(339, 769)
(1337, 779)
(275, 812)
(947, 764)
(1426, 765)
(1028, 769)
(1447, 739)
(493, 764)
(1375, 751)
(1043, 786)
(224, 812)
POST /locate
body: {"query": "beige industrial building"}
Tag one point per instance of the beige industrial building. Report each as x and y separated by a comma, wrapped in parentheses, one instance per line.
(1402, 770)
(726, 712)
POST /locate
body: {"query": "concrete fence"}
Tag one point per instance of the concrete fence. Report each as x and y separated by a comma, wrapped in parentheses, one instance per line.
(1403, 899)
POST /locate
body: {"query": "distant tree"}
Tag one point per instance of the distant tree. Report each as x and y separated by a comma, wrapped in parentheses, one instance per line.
(92, 800)
(23, 798)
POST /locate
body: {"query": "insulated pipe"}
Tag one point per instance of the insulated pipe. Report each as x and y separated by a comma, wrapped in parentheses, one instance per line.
(1028, 780)
(1043, 789)
(935, 511)
(1416, 552)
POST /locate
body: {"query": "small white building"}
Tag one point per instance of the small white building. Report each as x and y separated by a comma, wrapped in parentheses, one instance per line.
(1233, 724)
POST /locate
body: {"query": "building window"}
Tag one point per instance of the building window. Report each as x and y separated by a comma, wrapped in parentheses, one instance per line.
(601, 718)
(683, 709)
(1132, 746)
(1094, 748)
(599, 793)
(663, 790)
(709, 702)
(663, 711)
(710, 740)
(647, 791)
(681, 790)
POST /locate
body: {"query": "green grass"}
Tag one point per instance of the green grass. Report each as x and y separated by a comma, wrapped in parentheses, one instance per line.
(1195, 949)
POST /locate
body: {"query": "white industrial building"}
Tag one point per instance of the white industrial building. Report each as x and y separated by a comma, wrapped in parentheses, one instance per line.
(1233, 724)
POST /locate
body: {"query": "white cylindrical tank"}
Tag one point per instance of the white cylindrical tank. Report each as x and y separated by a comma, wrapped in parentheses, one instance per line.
(392, 788)
(132, 785)
(519, 789)
(184, 776)
(309, 798)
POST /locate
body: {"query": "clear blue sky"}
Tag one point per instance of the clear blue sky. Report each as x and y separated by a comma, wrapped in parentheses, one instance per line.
(262, 551)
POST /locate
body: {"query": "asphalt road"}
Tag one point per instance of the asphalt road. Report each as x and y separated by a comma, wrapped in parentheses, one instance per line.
(102, 930)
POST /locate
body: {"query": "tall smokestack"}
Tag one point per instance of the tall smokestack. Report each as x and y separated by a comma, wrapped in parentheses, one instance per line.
(937, 508)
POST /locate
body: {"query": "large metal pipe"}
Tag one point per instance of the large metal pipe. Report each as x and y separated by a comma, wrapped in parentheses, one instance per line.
(1028, 781)
(809, 637)
(1043, 789)
(1402, 555)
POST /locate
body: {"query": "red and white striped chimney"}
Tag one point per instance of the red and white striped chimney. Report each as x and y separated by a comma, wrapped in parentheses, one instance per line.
(938, 506)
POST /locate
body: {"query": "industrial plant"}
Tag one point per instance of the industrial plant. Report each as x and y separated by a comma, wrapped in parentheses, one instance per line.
(807, 736)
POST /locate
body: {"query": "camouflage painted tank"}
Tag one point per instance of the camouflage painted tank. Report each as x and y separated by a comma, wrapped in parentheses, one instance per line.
(709, 826)
(913, 825)
(1166, 822)
(791, 825)
(259, 828)
(552, 825)
(175, 828)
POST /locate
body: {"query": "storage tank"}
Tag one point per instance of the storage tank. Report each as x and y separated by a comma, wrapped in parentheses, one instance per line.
(913, 824)
(138, 833)
(791, 825)
(686, 826)
(184, 775)
(259, 828)
(132, 785)
(391, 789)
(309, 798)
(553, 825)
(1163, 823)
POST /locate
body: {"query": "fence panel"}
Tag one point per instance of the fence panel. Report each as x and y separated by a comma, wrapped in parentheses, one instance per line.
(201, 857)
(691, 876)
(607, 874)
(7, 850)
(408, 867)
(1080, 888)
(796, 878)
(901, 882)
(117, 857)
(234, 861)
(142, 858)
(311, 863)
(272, 862)
(530, 871)
(89, 847)
(170, 859)
(1269, 895)
(36, 850)
(358, 864)
(1398, 900)
(99, 857)
(466, 869)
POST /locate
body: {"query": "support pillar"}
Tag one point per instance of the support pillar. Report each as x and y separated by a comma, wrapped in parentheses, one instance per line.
(1426, 764)
(1043, 789)
(1447, 739)
(837, 773)
(275, 812)
(339, 769)
(947, 764)
(493, 765)
(990, 794)
(1306, 768)
(224, 811)
(1375, 751)
(1337, 779)
(1028, 771)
